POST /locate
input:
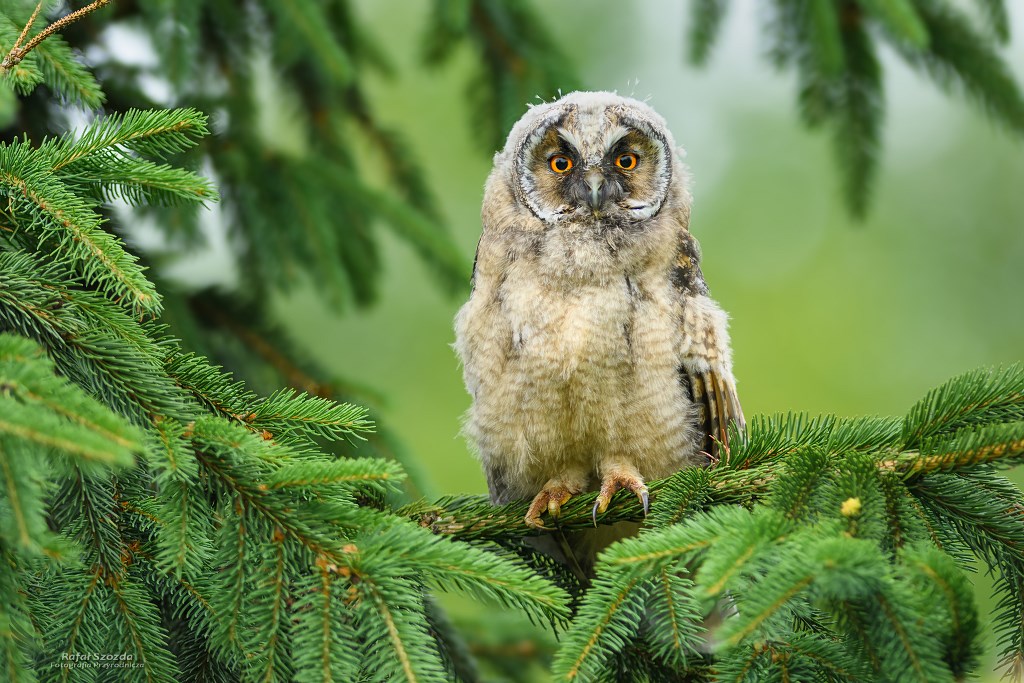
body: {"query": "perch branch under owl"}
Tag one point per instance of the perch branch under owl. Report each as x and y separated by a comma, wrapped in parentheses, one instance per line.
(474, 518)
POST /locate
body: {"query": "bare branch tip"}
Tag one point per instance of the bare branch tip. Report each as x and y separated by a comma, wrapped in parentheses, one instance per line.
(17, 52)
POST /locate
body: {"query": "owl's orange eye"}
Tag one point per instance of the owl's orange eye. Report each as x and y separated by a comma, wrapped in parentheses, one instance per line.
(626, 162)
(560, 163)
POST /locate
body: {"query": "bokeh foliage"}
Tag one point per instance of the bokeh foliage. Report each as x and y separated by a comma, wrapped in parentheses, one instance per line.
(833, 46)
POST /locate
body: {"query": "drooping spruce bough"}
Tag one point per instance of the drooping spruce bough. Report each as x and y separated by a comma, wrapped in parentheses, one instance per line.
(153, 506)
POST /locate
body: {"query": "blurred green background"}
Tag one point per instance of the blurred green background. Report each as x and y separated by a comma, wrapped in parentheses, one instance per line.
(828, 314)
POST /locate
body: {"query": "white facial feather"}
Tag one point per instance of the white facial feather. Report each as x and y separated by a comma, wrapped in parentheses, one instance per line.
(599, 121)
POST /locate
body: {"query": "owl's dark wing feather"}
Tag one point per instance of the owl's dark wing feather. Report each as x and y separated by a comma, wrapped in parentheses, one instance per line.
(472, 276)
(708, 380)
(714, 392)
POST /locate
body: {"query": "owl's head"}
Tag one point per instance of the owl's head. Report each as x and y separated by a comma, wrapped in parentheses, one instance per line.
(591, 158)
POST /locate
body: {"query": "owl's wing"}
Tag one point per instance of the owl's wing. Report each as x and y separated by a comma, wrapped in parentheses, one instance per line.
(705, 368)
(714, 392)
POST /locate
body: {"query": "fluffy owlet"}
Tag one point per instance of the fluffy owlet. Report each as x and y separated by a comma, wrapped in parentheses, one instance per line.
(593, 354)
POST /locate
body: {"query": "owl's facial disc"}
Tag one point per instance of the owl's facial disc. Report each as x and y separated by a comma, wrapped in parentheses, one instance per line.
(595, 168)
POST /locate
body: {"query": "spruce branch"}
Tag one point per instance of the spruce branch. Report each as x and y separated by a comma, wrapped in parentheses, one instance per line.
(229, 584)
(138, 625)
(168, 452)
(402, 550)
(324, 631)
(47, 432)
(518, 59)
(901, 19)
(13, 661)
(70, 628)
(379, 475)
(183, 544)
(997, 20)
(28, 26)
(287, 410)
(90, 339)
(222, 446)
(26, 374)
(69, 225)
(18, 52)
(610, 613)
(978, 397)
(393, 616)
(705, 24)
(304, 19)
(208, 384)
(455, 652)
(270, 599)
(158, 133)
(62, 71)
(473, 517)
(676, 630)
(138, 182)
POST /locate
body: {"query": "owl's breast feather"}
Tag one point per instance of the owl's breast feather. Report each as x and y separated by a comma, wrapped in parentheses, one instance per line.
(560, 337)
(566, 375)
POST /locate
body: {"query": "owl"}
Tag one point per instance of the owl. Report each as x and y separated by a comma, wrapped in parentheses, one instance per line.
(593, 354)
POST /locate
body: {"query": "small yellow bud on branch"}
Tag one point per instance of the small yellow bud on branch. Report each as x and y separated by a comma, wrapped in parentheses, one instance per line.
(850, 507)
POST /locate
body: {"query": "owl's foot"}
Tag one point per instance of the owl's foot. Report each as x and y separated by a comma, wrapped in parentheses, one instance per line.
(612, 483)
(551, 499)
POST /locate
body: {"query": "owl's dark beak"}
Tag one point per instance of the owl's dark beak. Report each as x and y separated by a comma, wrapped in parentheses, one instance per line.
(598, 192)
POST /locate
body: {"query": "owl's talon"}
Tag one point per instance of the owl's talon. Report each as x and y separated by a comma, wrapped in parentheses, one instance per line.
(535, 523)
(550, 499)
(554, 507)
(613, 484)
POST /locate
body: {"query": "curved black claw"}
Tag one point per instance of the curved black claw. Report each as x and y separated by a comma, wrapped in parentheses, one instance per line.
(597, 504)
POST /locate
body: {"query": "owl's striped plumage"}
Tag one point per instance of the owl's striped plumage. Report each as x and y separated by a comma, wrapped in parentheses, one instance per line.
(593, 354)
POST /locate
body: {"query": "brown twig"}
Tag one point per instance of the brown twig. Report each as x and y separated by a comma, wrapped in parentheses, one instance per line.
(18, 52)
(31, 20)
